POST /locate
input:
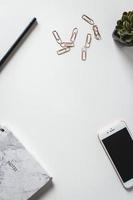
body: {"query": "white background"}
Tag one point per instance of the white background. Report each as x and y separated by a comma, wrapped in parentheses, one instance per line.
(56, 104)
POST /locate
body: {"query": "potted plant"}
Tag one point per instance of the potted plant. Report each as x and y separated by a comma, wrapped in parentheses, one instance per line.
(123, 32)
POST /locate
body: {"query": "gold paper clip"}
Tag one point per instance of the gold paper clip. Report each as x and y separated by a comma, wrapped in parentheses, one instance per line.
(57, 37)
(84, 54)
(88, 19)
(74, 35)
(67, 44)
(63, 51)
(88, 40)
(96, 32)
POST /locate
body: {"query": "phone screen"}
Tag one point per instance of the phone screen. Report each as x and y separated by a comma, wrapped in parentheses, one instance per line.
(120, 149)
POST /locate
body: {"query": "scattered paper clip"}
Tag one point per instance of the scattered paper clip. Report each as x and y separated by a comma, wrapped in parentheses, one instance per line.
(87, 45)
(57, 37)
(67, 44)
(96, 32)
(74, 35)
(84, 54)
(88, 40)
(88, 19)
(63, 51)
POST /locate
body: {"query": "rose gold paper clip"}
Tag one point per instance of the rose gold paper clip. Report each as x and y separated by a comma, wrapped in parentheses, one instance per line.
(57, 37)
(63, 51)
(87, 45)
(88, 19)
(88, 40)
(74, 35)
(96, 32)
(67, 44)
(84, 53)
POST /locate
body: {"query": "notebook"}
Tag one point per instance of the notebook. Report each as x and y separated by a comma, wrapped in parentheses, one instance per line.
(21, 176)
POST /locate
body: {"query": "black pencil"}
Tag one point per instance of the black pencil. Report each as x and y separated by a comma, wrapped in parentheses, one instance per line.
(18, 41)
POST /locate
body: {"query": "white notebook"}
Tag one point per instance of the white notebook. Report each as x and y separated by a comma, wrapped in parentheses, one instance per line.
(21, 176)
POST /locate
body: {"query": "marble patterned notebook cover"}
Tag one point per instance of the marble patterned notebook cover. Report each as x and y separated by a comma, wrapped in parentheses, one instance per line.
(20, 174)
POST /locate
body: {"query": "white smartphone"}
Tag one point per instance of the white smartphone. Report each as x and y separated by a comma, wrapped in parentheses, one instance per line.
(117, 142)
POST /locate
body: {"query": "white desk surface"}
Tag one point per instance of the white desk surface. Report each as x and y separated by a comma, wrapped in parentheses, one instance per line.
(56, 104)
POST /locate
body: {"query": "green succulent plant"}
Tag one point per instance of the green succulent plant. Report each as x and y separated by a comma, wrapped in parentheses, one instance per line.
(123, 32)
